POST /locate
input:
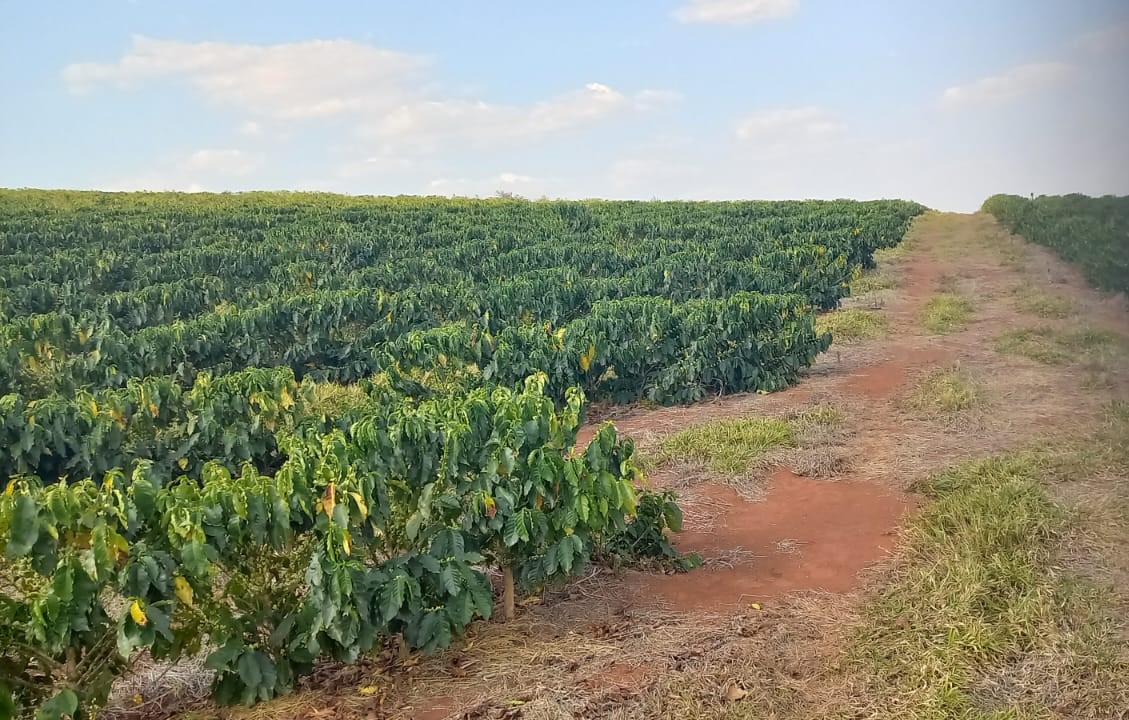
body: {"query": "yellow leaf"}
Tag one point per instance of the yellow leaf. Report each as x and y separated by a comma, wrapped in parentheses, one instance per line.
(586, 358)
(756, 606)
(368, 690)
(137, 699)
(182, 463)
(287, 400)
(138, 614)
(93, 407)
(119, 544)
(360, 500)
(153, 410)
(346, 545)
(329, 499)
(183, 590)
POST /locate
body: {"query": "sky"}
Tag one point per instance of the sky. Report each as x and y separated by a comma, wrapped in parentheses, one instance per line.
(945, 103)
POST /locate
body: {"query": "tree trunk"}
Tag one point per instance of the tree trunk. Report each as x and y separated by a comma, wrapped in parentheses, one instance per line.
(507, 593)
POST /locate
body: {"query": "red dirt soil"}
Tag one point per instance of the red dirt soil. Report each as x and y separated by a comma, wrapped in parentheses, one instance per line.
(884, 380)
(805, 535)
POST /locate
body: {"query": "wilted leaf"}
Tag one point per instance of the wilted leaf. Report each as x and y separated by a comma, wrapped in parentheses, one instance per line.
(183, 590)
(137, 613)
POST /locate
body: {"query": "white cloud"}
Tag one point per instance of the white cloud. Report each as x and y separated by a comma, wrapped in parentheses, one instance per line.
(219, 162)
(382, 98)
(505, 182)
(1107, 40)
(648, 99)
(510, 178)
(786, 125)
(208, 169)
(317, 78)
(1014, 83)
(734, 12)
(425, 125)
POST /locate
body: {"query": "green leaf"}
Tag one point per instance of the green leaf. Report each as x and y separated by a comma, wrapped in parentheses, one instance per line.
(392, 596)
(435, 631)
(509, 532)
(564, 554)
(451, 579)
(221, 659)
(159, 621)
(280, 634)
(461, 608)
(195, 559)
(411, 528)
(250, 671)
(268, 674)
(429, 563)
(25, 527)
(673, 515)
(7, 704)
(482, 593)
(62, 705)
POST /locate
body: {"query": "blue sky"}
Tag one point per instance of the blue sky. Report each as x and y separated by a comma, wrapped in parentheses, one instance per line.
(941, 102)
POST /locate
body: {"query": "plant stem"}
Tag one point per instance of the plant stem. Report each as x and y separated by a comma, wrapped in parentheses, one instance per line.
(507, 593)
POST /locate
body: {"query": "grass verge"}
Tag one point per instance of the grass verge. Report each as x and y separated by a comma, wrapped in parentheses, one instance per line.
(868, 281)
(1054, 347)
(726, 447)
(982, 618)
(853, 325)
(946, 313)
(1041, 303)
(813, 437)
(947, 390)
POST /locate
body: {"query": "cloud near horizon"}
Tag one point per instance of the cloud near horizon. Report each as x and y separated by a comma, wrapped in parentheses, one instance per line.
(735, 12)
(1009, 85)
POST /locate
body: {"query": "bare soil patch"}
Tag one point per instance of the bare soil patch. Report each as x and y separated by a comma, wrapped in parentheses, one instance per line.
(804, 535)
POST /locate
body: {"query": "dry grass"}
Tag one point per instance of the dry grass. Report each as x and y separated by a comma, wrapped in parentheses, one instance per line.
(980, 620)
(1038, 302)
(946, 313)
(726, 447)
(946, 391)
(853, 325)
(1050, 346)
(822, 437)
(868, 281)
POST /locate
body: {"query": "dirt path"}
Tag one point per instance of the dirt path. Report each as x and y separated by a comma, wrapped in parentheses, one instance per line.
(789, 559)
